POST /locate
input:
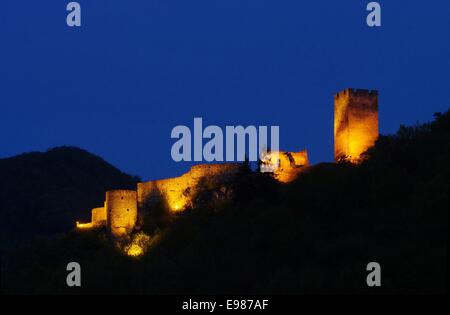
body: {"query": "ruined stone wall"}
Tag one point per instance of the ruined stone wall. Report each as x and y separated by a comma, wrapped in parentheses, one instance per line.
(178, 192)
(355, 123)
(121, 211)
(300, 158)
(173, 191)
(98, 216)
(290, 166)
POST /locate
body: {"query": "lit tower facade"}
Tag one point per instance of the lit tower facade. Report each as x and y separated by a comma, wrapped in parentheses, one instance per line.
(355, 123)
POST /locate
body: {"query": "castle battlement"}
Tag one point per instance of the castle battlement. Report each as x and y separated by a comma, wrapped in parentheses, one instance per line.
(356, 92)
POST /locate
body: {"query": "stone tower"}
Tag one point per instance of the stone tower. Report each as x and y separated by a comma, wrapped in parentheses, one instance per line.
(121, 211)
(355, 123)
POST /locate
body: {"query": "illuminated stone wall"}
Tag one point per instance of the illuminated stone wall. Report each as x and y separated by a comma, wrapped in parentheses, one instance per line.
(355, 123)
(299, 158)
(290, 164)
(98, 216)
(174, 191)
(98, 219)
(178, 192)
(121, 210)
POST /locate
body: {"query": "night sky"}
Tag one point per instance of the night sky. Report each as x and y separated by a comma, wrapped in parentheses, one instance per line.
(135, 69)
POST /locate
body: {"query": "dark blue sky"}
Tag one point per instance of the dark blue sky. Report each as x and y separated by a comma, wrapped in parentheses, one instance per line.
(135, 69)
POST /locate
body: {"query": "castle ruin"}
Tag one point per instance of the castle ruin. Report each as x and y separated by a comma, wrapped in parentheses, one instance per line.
(355, 130)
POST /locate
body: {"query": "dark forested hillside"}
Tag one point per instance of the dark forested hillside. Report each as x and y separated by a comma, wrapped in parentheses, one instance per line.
(315, 235)
(43, 193)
